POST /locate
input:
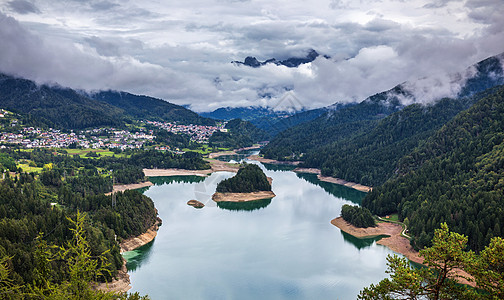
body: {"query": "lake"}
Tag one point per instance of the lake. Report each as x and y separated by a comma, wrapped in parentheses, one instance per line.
(282, 248)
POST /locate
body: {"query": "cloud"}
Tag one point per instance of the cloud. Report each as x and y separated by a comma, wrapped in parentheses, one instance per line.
(182, 52)
(23, 7)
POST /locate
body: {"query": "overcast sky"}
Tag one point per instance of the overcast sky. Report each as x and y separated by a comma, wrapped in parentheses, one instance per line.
(181, 51)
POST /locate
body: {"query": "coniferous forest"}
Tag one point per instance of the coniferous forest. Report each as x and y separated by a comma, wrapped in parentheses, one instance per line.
(454, 177)
(250, 178)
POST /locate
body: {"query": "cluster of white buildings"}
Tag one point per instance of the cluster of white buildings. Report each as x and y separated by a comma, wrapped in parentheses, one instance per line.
(198, 133)
(31, 137)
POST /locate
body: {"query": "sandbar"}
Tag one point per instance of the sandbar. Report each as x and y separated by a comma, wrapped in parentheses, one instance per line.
(242, 197)
(349, 184)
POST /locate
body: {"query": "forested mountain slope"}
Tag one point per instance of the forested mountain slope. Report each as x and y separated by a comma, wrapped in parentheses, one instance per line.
(267, 119)
(456, 176)
(334, 126)
(56, 106)
(240, 134)
(66, 108)
(331, 126)
(371, 156)
(144, 107)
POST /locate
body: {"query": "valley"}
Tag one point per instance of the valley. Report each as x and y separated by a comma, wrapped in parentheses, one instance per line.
(96, 171)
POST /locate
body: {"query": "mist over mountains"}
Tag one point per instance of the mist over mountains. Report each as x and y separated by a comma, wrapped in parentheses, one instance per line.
(292, 62)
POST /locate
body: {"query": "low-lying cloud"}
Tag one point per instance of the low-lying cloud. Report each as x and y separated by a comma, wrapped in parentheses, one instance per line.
(183, 53)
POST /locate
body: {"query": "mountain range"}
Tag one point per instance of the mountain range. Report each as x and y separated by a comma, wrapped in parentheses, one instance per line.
(434, 162)
(267, 119)
(432, 149)
(66, 108)
(292, 62)
(335, 125)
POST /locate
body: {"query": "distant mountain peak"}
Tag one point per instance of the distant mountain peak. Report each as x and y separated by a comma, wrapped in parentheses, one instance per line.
(292, 62)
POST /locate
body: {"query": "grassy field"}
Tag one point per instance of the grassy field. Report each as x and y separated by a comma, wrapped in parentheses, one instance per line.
(27, 168)
(84, 152)
(392, 218)
(204, 150)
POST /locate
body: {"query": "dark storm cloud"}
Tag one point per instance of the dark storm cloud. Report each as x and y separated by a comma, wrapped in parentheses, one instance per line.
(23, 7)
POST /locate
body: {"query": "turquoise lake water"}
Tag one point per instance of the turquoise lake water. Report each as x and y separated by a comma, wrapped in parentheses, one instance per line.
(282, 248)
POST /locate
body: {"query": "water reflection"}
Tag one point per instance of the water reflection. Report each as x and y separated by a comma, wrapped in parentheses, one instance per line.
(176, 179)
(136, 257)
(335, 189)
(246, 205)
(361, 243)
(274, 167)
(239, 157)
(287, 251)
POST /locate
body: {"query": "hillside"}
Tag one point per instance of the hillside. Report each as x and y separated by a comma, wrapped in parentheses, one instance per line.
(456, 177)
(245, 113)
(144, 107)
(352, 121)
(331, 126)
(370, 157)
(56, 106)
(64, 108)
(267, 119)
(239, 134)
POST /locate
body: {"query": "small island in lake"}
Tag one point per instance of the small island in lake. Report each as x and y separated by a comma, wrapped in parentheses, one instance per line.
(195, 204)
(249, 184)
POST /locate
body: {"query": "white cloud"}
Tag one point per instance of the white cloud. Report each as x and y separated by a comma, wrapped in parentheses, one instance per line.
(182, 52)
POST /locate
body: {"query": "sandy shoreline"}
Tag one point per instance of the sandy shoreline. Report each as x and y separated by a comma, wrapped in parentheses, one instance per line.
(334, 180)
(141, 240)
(242, 197)
(272, 161)
(349, 184)
(307, 170)
(175, 172)
(131, 186)
(394, 242)
(122, 283)
(215, 166)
